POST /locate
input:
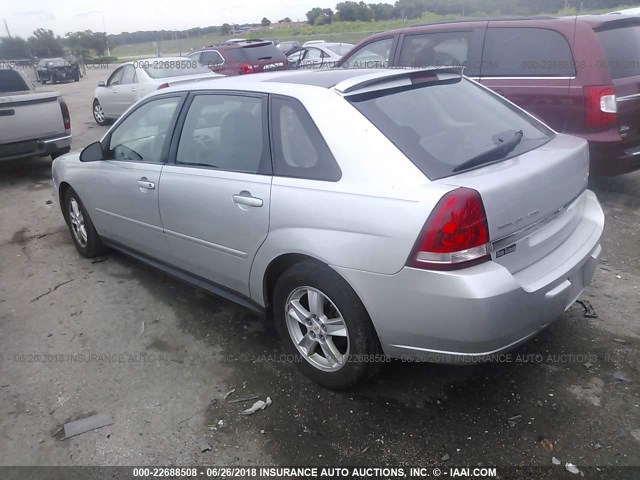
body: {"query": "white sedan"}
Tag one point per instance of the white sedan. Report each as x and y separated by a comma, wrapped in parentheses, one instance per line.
(132, 81)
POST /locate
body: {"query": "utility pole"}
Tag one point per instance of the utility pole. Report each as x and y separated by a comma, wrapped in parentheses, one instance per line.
(7, 28)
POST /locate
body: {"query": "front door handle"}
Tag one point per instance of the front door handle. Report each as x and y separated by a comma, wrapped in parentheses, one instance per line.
(245, 198)
(145, 183)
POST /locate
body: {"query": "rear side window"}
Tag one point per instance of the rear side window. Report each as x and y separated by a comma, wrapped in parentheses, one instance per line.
(11, 81)
(622, 47)
(439, 49)
(300, 151)
(526, 52)
(442, 123)
(209, 59)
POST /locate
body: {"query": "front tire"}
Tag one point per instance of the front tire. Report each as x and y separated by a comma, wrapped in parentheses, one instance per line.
(98, 114)
(322, 321)
(83, 233)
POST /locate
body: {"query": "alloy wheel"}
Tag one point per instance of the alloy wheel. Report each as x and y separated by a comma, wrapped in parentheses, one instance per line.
(77, 223)
(317, 329)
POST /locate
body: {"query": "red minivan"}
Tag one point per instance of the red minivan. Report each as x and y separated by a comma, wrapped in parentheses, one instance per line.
(240, 58)
(579, 75)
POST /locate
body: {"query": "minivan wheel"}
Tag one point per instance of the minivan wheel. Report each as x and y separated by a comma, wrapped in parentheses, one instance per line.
(323, 323)
(98, 113)
(83, 233)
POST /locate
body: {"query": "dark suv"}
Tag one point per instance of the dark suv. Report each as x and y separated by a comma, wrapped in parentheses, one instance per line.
(242, 58)
(580, 76)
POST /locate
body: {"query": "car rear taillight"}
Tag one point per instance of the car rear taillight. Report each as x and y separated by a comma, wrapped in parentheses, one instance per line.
(456, 234)
(164, 85)
(247, 68)
(66, 118)
(600, 106)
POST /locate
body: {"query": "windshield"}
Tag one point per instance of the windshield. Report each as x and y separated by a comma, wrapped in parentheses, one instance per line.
(57, 62)
(179, 71)
(443, 124)
(11, 81)
(341, 48)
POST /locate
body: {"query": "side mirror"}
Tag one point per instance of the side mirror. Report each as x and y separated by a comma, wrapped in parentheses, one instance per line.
(92, 153)
(101, 83)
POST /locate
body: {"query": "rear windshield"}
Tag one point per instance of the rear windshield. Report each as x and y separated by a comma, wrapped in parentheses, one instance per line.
(441, 124)
(622, 47)
(11, 81)
(259, 52)
(340, 49)
(177, 71)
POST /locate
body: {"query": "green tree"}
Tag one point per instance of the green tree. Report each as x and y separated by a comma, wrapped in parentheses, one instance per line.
(319, 16)
(265, 22)
(44, 43)
(226, 29)
(285, 20)
(14, 48)
(382, 11)
(86, 43)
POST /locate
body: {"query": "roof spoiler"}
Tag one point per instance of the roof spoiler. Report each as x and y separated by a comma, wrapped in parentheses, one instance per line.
(354, 84)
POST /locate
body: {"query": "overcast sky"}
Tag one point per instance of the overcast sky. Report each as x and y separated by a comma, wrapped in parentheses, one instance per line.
(62, 16)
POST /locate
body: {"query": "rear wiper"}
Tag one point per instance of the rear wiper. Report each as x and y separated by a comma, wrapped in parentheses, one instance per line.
(496, 153)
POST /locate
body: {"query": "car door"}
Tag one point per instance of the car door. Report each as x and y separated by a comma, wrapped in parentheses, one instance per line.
(532, 67)
(216, 191)
(124, 189)
(313, 58)
(108, 98)
(127, 90)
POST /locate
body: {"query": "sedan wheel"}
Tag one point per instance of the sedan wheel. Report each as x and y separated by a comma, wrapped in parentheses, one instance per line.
(98, 113)
(317, 329)
(325, 327)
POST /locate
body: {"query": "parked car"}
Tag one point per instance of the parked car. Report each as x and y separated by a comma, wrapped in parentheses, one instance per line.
(321, 55)
(312, 42)
(579, 75)
(133, 80)
(56, 70)
(430, 234)
(628, 11)
(241, 58)
(31, 123)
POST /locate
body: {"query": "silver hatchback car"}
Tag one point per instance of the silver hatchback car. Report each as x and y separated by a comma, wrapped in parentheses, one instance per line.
(370, 214)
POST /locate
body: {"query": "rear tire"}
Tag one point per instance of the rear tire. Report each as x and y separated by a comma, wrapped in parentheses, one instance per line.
(83, 233)
(321, 321)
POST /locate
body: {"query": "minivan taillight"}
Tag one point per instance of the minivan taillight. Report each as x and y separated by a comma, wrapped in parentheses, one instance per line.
(66, 118)
(600, 106)
(456, 234)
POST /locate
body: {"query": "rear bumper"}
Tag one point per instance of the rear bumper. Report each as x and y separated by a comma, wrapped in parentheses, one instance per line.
(36, 148)
(468, 315)
(613, 158)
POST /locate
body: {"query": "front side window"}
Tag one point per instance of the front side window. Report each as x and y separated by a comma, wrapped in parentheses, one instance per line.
(115, 78)
(376, 54)
(441, 125)
(526, 52)
(224, 132)
(299, 149)
(314, 53)
(141, 136)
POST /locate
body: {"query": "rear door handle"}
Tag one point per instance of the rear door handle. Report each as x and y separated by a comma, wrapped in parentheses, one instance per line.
(245, 198)
(145, 183)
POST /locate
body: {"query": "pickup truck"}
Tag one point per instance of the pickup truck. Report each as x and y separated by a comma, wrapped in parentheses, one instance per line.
(31, 123)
